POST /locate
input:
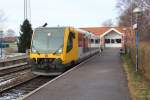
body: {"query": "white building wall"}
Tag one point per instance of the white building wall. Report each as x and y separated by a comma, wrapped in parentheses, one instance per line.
(113, 36)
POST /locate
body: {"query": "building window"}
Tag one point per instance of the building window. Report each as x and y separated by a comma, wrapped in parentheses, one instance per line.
(107, 40)
(112, 41)
(118, 40)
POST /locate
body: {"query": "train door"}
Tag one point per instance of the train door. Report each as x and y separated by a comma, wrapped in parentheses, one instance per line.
(71, 48)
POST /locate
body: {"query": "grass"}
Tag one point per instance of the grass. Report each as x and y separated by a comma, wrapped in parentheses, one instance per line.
(139, 87)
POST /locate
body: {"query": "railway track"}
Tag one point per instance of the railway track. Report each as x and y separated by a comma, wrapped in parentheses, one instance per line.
(9, 81)
(13, 64)
(13, 60)
(14, 68)
(24, 88)
(14, 71)
(14, 79)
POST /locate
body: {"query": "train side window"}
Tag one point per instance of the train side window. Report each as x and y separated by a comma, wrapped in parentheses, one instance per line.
(70, 41)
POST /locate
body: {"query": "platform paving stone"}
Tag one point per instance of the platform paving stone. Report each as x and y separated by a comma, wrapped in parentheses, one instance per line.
(101, 78)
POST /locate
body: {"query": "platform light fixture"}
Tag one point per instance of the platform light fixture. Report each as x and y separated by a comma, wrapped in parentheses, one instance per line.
(137, 11)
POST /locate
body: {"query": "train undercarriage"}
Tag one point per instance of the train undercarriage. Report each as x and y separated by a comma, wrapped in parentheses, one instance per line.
(47, 66)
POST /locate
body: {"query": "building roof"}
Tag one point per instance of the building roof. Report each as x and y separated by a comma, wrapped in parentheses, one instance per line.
(101, 30)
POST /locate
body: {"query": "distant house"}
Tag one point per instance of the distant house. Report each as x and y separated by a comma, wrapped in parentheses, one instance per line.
(9, 38)
(113, 37)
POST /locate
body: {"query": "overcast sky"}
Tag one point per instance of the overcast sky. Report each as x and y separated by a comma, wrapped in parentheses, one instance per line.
(77, 13)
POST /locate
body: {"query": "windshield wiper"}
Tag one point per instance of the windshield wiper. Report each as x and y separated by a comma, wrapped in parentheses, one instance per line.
(57, 49)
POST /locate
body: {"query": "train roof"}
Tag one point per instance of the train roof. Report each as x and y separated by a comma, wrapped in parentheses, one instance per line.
(48, 27)
(87, 33)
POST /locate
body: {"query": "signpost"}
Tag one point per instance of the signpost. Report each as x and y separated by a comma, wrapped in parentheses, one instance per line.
(1, 41)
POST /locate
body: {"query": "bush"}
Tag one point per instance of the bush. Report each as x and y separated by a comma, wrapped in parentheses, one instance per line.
(144, 57)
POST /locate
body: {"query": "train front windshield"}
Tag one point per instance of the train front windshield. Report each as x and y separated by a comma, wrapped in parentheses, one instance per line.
(48, 40)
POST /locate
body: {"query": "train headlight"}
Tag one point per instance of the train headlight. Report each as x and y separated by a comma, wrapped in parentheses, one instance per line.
(33, 50)
(49, 34)
(60, 50)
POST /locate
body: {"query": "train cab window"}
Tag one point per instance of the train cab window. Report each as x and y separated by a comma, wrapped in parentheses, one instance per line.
(70, 41)
(92, 40)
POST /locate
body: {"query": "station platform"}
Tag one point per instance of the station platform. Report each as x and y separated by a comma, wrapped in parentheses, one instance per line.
(100, 78)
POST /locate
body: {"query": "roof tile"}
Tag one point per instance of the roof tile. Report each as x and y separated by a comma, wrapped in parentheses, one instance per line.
(101, 30)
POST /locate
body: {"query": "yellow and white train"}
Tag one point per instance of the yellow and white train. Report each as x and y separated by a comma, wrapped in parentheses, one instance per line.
(54, 49)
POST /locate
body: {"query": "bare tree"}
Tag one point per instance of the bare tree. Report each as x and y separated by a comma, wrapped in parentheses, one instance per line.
(108, 23)
(122, 5)
(127, 17)
(2, 18)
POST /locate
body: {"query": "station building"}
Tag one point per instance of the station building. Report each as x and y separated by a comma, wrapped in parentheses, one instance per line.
(112, 37)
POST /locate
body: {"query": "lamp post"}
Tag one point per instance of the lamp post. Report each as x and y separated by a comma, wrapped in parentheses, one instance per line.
(137, 11)
(125, 40)
(1, 37)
